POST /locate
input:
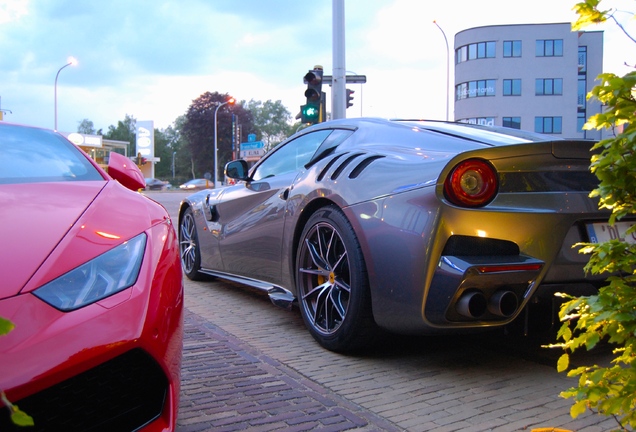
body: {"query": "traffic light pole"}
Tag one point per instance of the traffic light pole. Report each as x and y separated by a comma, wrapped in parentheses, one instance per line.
(338, 102)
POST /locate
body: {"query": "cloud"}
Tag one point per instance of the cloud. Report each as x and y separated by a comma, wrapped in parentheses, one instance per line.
(151, 58)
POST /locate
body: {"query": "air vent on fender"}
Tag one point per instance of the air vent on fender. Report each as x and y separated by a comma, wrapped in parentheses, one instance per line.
(327, 167)
(343, 165)
(362, 165)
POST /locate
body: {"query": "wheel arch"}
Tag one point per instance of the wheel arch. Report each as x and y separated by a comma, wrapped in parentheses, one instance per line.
(311, 208)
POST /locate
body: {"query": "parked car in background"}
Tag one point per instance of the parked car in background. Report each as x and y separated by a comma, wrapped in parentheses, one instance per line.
(92, 280)
(408, 226)
(197, 184)
(156, 184)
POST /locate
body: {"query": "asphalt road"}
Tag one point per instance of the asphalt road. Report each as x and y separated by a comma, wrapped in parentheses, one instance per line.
(249, 365)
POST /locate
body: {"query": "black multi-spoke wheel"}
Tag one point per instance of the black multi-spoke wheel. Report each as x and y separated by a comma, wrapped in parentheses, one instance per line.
(189, 247)
(333, 289)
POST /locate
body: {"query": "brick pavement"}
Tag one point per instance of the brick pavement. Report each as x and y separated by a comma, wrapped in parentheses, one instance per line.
(229, 386)
(248, 365)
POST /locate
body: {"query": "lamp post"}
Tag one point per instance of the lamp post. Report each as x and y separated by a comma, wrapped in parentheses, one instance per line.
(71, 61)
(216, 127)
(447, 68)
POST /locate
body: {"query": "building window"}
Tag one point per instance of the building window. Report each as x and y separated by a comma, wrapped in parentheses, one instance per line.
(512, 48)
(475, 51)
(512, 122)
(512, 87)
(582, 59)
(473, 89)
(580, 121)
(549, 48)
(548, 125)
(482, 121)
(548, 86)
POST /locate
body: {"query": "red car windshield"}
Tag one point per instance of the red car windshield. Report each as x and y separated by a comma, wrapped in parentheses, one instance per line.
(31, 155)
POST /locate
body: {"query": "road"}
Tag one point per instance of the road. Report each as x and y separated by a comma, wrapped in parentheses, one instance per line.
(248, 365)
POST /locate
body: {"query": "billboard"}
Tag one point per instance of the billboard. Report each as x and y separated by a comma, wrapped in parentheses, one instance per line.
(146, 139)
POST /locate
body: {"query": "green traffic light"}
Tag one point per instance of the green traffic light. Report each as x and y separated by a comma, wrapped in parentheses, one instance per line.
(310, 113)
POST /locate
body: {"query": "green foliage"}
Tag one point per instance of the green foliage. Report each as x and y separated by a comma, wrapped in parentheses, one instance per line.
(271, 120)
(5, 326)
(198, 131)
(125, 131)
(611, 314)
(18, 416)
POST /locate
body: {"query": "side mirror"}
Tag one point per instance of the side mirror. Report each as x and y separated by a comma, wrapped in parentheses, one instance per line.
(237, 170)
(125, 172)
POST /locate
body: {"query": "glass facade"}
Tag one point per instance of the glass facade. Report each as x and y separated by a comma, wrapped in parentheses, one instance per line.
(512, 122)
(512, 87)
(548, 86)
(512, 48)
(471, 89)
(475, 51)
(548, 125)
(549, 48)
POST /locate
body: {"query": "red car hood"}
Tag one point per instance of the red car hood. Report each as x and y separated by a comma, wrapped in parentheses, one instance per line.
(48, 229)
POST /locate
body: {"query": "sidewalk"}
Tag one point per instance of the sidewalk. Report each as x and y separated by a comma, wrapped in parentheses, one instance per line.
(228, 386)
(248, 365)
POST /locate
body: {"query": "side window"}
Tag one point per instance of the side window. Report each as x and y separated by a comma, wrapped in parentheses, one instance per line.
(292, 156)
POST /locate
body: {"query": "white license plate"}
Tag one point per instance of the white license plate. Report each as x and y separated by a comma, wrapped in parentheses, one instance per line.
(602, 231)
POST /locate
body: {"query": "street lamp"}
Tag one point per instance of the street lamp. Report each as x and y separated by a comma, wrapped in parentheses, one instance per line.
(216, 126)
(447, 68)
(71, 62)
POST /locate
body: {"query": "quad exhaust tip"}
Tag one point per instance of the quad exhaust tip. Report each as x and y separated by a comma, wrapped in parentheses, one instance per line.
(474, 304)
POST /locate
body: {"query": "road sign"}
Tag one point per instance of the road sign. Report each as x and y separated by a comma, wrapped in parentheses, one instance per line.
(252, 150)
(350, 79)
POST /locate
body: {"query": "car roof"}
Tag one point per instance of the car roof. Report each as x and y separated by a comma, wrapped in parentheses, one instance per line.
(488, 135)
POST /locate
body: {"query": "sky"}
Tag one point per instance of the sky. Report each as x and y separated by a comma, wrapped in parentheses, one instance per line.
(151, 58)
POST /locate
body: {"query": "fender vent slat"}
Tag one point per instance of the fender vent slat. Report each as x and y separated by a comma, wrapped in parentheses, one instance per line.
(362, 165)
(343, 165)
(327, 167)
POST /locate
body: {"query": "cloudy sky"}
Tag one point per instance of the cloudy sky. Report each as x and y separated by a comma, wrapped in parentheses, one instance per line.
(151, 58)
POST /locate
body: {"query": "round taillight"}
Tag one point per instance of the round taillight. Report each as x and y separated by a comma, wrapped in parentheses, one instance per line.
(472, 183)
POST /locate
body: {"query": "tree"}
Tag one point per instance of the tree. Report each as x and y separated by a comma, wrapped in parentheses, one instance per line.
(87, 127)
(125, 131)
(169, 146)
(198, 131)
(611, 314)
(271, 121)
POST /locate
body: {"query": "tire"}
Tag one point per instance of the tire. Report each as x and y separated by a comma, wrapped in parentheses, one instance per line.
(189, 250)
(332, 283)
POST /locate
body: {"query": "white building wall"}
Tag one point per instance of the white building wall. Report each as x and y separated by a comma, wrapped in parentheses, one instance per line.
(528, 68)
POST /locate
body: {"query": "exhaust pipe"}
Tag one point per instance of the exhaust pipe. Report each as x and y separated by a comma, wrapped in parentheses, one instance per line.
(472, 304)
(503, 303)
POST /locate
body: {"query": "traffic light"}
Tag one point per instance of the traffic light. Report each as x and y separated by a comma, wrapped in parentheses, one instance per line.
(350, 97)
(310, 112)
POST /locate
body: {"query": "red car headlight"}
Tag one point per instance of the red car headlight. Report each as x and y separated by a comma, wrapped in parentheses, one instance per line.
(472, 183)
(103, 276)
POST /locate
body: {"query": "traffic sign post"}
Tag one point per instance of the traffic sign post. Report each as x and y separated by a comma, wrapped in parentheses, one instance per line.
(252, 150)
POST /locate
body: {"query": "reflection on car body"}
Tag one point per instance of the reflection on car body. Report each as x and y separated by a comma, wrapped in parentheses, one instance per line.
(408, 226)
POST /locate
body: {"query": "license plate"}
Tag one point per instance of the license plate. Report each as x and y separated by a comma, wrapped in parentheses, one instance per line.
(601, 232)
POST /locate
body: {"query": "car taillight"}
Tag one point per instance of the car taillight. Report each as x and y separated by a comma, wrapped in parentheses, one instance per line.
(472, 183)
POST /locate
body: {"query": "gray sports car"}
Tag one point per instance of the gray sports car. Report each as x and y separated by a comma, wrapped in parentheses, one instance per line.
(407, 226)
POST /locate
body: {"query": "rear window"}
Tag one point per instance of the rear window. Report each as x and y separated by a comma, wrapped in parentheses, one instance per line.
(30, 155)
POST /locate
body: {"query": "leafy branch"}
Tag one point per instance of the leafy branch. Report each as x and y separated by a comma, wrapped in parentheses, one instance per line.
(609, 315)
(18, 417)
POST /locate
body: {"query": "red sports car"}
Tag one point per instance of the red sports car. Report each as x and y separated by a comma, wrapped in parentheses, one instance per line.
(91, 277)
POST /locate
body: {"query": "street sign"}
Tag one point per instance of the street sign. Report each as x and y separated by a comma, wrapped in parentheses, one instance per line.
(351, 79)
(252, 150)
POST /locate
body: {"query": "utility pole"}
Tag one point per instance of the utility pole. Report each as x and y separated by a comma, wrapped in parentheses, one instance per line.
(338, 92)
